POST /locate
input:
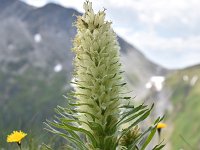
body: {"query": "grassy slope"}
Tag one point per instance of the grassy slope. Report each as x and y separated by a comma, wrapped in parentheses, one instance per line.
(186, 112)
(28, 100)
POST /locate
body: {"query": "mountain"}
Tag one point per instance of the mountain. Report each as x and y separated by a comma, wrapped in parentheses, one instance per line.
(184, 87)
(36, 62)
(21, 24)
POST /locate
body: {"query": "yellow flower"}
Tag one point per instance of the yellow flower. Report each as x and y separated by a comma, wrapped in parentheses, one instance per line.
(16, 136)
(161, 125)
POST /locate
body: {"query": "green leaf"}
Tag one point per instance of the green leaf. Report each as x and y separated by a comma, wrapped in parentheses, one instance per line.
(73, 140)
(134, 110)
(133, 117)
(73, 128)
(159, 146)
(149, 138)
(96, 127)
(90, 114)
(140, 119)
(109, 143)
(158, 120)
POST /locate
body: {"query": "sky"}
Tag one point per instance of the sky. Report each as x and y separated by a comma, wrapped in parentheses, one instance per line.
(165, 31)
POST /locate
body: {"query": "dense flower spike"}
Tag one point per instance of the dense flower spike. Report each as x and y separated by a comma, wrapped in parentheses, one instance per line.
(97, 64)
(97, 73)
(16, 137)
(99, 115)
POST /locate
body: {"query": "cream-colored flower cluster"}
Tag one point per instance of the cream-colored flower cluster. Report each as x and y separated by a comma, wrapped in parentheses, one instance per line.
(97, 70)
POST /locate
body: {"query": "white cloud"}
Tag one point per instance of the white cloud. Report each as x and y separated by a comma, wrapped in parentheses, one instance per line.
(37, 3)
(170, 52)
(160, 28)
(77, 4)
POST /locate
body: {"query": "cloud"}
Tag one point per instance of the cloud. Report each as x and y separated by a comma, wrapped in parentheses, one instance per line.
(167, 31)
(162, 29)
(37, 3)
(176, 52)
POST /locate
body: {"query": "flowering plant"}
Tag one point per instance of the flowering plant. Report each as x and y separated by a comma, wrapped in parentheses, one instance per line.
(99, 115)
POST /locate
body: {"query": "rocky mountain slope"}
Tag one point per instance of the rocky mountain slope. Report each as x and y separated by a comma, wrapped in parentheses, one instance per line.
(43, 37)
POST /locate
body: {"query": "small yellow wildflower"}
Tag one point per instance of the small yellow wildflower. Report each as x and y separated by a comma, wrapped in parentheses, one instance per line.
(161, 125)
(16, 136)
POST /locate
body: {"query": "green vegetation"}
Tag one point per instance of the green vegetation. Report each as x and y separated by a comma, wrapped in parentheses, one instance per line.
(185, 87)
(27, 100)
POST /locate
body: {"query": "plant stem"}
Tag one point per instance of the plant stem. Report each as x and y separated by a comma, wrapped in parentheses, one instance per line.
(19, 144)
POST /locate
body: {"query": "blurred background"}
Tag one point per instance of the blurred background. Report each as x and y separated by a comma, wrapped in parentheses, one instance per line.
(160, 54)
